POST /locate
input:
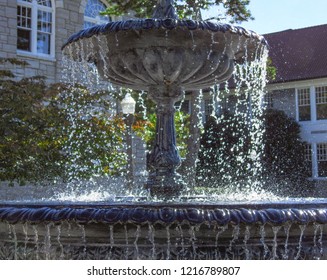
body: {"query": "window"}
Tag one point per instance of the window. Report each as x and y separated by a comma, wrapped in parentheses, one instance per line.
(208, 108)
(308, 158)
(321, 102)
(312, 103)
(304, 104)
(268, 100)
(35, 26)
(183, 106)
(92, 13)
(322, 159)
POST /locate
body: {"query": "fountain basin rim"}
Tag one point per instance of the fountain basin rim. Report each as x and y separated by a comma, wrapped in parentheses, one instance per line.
(168, 24)
(253, 205)
(142, 213)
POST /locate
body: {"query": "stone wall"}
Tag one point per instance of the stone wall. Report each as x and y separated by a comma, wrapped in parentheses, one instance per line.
(8, 26)
(69, 17)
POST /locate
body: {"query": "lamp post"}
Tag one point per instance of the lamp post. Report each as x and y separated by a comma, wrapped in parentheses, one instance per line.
(128, 109)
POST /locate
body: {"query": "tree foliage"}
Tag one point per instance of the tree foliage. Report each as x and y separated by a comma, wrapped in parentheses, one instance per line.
(146, 129)
(224, 149)
(224, 158)
(40, 136)
(284, 153)
(30, 140)
(234, 10)
(93, 135)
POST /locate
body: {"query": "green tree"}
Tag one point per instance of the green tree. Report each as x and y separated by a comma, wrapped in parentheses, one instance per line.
(224, 152)
(234, 10)
(284, 165)
(30, 141)
(146, 129)
(37, 138)
(93, 137)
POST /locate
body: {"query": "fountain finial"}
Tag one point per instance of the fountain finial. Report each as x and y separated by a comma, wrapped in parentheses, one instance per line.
(165, 9)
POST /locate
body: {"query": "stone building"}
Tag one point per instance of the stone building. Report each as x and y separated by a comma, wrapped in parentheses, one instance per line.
(35, 30)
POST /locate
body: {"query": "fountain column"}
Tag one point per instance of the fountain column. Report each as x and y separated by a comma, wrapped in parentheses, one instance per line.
(163, 160)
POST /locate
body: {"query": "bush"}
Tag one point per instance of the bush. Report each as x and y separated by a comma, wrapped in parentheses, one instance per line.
(224, 151)
(284, 165)
(46, 133)
(225, 154)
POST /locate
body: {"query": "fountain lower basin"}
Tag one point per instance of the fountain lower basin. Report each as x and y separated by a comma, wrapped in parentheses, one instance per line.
(142, 230)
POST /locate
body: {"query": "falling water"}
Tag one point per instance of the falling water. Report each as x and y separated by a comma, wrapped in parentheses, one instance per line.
(157, 241)
(94, 148)
(287, 228)
(236, 109)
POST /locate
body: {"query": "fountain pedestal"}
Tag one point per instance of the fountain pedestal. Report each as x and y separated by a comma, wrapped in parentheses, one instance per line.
(163, 181)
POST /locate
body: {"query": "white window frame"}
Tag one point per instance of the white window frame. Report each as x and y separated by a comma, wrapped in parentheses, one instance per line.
(97, 19)
(268, 100)
(320, 99)
(35, 7)
(313, 104)
(301, 102)
(321, 157)
(208, 108)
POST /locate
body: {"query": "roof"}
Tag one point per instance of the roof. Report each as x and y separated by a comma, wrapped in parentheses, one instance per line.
(299, 54)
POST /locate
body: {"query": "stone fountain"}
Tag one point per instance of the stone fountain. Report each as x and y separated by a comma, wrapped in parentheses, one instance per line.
(164, 56)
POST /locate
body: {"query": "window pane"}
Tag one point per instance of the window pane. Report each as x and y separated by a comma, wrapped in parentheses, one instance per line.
(92, 10)
(44, 20)
(43, 43)
(322, 159)
(304, 113)
(24, 39)
(88, 24)
(24, 17)
(322, 112)
(304, 104)
(308, 158)
(322, 168)
(321, 102)
(208, 108)
(268, 99)
(183, 106)
(46, 3)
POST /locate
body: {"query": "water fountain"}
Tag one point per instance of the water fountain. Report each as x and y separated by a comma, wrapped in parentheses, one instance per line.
(164, 56)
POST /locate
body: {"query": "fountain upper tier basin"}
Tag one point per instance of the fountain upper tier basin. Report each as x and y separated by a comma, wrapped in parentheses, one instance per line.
(141, 54)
